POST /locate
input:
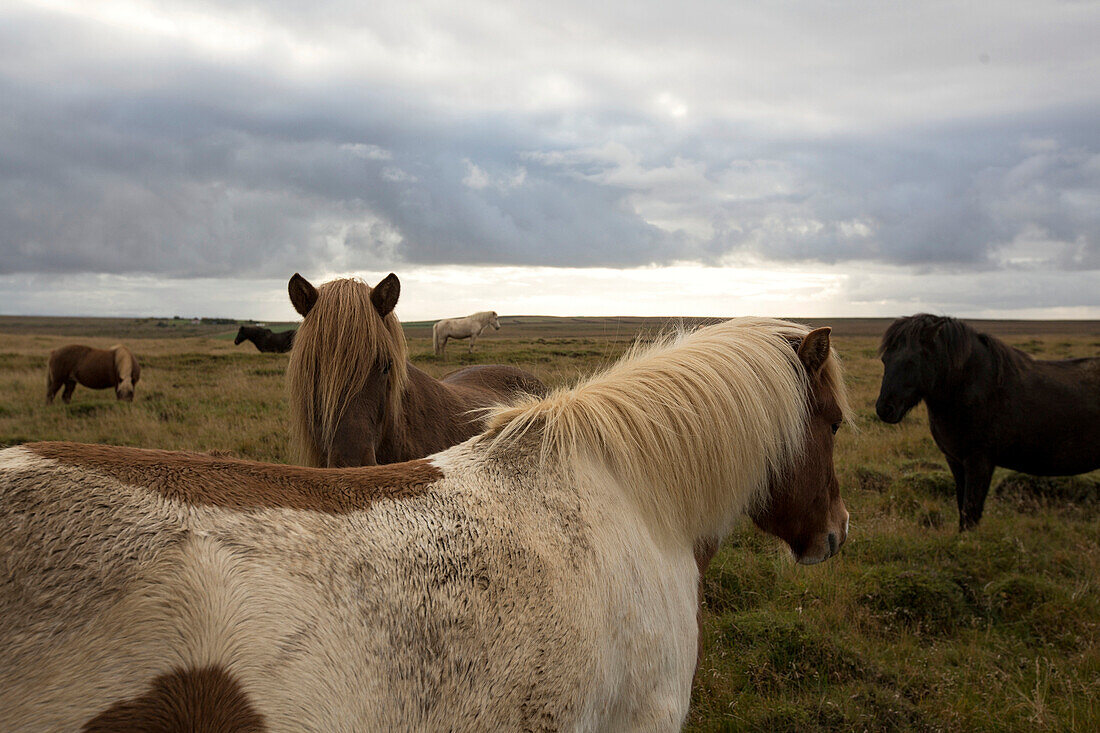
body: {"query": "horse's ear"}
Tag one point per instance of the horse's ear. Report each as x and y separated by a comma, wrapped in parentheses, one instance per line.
(814, 350)
(302, 294)
(385, 293)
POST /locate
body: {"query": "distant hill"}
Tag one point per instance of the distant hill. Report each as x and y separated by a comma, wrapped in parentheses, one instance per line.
(599, 327)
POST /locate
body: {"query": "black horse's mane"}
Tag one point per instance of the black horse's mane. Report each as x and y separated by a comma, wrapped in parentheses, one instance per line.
(954, 342)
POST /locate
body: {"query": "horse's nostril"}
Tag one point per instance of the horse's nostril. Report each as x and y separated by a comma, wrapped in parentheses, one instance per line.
(833, 544)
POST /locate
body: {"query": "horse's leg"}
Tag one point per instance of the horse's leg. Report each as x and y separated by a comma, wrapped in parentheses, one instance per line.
(67, 395)
(473, 338)
(52, 385)
(959, 474)
(978, 473)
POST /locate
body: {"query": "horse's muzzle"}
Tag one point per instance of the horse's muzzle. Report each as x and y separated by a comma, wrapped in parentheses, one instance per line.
(888, 413)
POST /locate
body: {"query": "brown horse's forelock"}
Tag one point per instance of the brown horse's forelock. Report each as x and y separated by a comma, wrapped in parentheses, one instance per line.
(338, 345)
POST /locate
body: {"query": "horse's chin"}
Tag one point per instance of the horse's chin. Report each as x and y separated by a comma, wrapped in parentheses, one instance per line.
(825, 545)
(892, 415)
(811, 560)
(816, 556)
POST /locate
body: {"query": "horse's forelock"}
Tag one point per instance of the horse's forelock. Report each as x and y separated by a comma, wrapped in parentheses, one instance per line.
(904, 331)
(952, 340)
(335, 350)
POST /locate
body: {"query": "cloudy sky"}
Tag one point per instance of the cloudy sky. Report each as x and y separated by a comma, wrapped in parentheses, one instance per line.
(706, 158)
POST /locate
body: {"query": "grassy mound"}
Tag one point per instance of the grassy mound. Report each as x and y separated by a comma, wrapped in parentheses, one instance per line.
(922, 601)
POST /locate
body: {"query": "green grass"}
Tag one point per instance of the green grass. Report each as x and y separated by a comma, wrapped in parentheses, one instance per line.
(911, 627)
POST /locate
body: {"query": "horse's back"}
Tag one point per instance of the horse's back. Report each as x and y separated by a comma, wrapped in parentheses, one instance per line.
(282, 342)
(486, 384)
(459, 328)
(64, 359)
(114, 595)
(77, 553)
(1055, 410)
(97, 369)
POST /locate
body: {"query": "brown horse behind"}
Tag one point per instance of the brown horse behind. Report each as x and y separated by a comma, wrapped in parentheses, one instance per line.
(94, 368)
(356, 400)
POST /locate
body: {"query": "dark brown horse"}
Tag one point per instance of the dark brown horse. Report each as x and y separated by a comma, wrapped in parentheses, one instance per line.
(94, 368)
(266, 340)
(990, 404)
(356, 400)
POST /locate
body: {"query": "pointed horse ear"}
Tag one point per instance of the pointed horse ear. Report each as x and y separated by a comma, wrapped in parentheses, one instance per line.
(385, 293)
(302, 295)
(814, 350)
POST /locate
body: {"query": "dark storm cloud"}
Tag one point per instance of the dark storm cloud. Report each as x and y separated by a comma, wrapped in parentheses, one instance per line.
(123, 152)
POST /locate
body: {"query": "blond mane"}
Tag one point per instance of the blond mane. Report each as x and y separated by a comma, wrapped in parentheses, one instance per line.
(124, 362)
(689, 424)
(338, 345)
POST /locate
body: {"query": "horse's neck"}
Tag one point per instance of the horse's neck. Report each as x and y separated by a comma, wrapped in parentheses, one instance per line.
(973, 381)
(432, 417)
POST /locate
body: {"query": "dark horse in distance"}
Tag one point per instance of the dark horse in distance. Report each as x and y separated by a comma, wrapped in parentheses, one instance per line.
(95, 368)
(265, 339)
(990, 404)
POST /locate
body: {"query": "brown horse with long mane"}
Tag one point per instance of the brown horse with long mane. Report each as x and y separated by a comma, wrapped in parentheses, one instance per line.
(355, 399)
(990, 404)
(94, 368)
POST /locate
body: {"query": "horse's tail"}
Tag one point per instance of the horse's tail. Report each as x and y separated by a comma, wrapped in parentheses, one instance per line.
(435, 338)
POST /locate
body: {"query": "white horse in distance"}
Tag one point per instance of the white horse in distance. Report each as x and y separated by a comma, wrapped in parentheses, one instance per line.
(462, 328)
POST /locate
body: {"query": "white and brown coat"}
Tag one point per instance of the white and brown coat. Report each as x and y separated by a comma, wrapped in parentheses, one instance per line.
(513, 582)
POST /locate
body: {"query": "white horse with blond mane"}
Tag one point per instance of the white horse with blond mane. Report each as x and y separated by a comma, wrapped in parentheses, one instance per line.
(543, 575)
(469, 327)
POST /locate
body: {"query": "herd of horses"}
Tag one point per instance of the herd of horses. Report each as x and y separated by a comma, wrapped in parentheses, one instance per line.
(471, 553)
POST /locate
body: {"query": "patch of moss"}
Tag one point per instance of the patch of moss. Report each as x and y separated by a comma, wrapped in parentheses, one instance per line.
(871, 478)
(1027, 492)
(791, 716)
(781, 650)
(923, 601)
(1014, 597)
(729, 587)
(1034, 607)
(930, 483)
(883, 709)
(89, 409)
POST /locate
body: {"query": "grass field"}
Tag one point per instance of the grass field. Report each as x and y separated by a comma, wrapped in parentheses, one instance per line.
(911, 627)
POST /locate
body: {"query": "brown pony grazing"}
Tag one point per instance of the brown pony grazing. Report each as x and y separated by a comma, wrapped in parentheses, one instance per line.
(355, 400)
(542, 576)
(990, 404)
(94, 368)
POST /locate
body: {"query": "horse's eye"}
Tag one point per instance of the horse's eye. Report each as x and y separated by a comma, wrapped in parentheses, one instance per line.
(386, 368)
(836, 427)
